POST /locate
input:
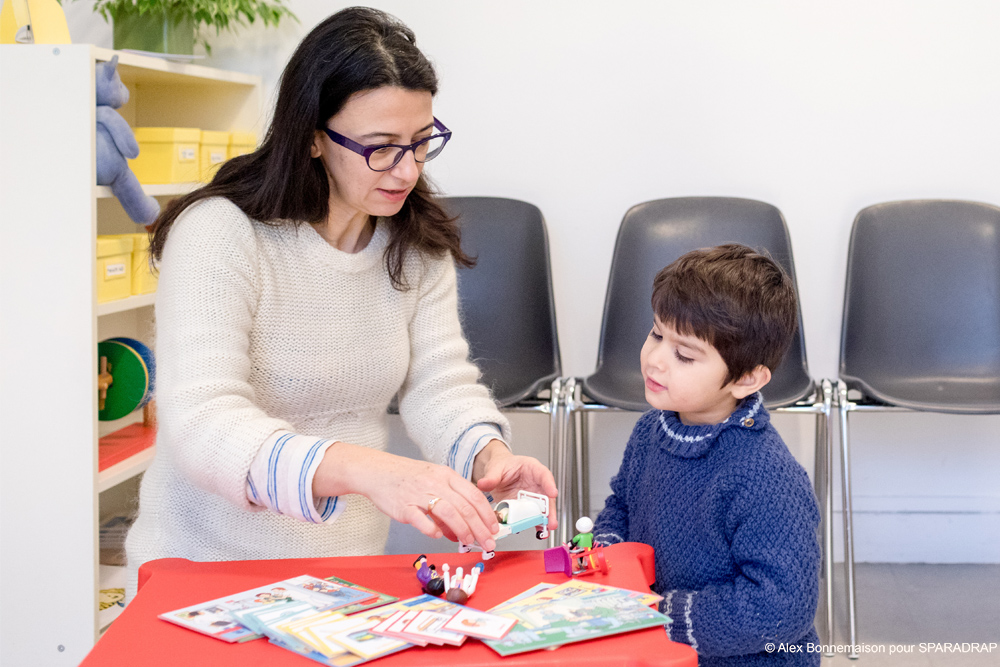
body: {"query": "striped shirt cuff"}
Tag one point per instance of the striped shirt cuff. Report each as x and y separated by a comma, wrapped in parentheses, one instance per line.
(281, 477)
(463, 453)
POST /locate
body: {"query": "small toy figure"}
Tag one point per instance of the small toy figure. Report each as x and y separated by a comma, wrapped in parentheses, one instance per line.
(423, 569)
(516, 515)
(427, 575)
(584, 539)
(460, 587)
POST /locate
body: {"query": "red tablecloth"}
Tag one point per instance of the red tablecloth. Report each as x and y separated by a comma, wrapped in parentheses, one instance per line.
(138, 637)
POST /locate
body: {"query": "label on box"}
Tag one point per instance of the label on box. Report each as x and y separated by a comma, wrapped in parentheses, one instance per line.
(215, 157)
(187, 154)
(114, 270)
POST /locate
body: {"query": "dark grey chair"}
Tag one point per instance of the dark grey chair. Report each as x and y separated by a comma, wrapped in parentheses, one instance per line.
(506, 302)
(652, 235)
(506, 305)
(921, 323)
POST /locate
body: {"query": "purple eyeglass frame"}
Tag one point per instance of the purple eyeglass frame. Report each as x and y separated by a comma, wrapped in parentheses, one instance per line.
(366, 151)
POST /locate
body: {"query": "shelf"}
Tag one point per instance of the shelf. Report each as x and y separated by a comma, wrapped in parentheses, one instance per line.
(124, 454)
(162, 70)
(153, 190)
(125, 470)
(43, 88)
(128, 303)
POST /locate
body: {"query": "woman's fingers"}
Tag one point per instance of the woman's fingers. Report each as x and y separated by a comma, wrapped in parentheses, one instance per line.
(463, 519)
(477, 501)
(432, 498)
(422, 522)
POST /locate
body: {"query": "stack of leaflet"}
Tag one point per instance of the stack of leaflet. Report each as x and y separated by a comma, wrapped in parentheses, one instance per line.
(547, 616)
(337, 623)
(270, 610)
(328, 637)
(426, 619)
(332, 638)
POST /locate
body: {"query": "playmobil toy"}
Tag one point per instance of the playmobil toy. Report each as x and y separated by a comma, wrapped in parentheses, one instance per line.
(516, 515)
(430, 581)
(456, 588)
(575, 564)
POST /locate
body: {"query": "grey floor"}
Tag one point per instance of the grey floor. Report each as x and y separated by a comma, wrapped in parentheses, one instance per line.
(904, 605)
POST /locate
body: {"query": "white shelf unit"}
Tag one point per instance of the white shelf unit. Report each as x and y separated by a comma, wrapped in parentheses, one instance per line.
(51, 495)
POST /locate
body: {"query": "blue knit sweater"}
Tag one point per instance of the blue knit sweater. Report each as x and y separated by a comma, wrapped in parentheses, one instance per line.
(732, 518)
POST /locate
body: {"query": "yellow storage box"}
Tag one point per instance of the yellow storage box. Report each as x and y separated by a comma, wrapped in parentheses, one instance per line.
(114, 267)
(167, 154)
(241, 143)
(143, 279)
(214, 151)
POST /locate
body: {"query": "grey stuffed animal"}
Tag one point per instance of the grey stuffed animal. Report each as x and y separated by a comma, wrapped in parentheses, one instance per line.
(115, 143)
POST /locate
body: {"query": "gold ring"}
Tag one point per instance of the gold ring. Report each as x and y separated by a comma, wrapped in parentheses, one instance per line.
(431, 504)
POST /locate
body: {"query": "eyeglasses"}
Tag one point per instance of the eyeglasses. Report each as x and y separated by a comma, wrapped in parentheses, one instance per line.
(383, 157)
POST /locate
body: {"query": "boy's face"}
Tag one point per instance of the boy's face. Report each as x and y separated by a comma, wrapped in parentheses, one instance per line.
(684, 374)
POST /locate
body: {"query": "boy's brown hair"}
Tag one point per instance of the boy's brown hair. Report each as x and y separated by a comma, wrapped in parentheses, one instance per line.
(738, 300)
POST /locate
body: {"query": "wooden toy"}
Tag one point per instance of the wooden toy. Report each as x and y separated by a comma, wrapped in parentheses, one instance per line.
(126, 377)
(516, 515)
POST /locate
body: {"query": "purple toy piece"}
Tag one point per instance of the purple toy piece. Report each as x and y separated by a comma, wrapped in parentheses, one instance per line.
(423, 571)
(557, 559)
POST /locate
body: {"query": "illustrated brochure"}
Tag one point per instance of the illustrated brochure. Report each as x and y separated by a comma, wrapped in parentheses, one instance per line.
(571, 612)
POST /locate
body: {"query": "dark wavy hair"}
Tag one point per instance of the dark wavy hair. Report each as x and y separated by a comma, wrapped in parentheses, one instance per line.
(354, 50)
(738, 300)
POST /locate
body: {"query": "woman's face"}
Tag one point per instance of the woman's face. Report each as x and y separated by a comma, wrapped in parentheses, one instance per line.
(386, 115)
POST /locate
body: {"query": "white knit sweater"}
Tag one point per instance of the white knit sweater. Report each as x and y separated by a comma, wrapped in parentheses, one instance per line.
(263, 328)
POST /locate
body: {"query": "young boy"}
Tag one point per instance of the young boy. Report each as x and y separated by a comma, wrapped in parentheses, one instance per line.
(706, 480)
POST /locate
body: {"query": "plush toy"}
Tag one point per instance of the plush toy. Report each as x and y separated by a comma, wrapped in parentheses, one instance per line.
(115, 143)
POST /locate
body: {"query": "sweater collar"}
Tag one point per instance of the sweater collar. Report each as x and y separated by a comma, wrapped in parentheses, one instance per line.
(693, 441)
(318, 247)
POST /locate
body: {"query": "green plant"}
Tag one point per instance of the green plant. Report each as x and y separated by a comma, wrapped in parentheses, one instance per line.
(223, 15)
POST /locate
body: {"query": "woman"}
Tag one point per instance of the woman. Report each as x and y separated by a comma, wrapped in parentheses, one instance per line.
(301, 290)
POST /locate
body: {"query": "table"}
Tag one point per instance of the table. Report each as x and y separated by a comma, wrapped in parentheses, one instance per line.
(138, 637)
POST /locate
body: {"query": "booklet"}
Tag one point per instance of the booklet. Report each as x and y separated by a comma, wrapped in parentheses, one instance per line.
(379, 600)
(217, 618)
(328, 637)
(430, 626)
(571, 612)
(480, 624)
(426, 630)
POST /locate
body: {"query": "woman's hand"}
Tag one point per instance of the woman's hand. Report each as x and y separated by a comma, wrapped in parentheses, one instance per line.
(403, 488)
(501, 474)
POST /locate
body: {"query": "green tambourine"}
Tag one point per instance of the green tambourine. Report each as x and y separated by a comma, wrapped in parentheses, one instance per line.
(133, 371)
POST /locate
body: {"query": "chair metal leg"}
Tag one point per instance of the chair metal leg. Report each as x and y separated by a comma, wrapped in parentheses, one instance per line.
(556, 445)
(580, 468)
(844, 406)
(584, 453)
(572, 461)
(564, 482)
(825, 423)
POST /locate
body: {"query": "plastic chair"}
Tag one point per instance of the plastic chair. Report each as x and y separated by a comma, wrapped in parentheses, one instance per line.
(652, 235)
(921, 323)
(506, 305)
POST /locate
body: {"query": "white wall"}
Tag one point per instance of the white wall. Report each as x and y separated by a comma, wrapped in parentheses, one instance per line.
(585, 108)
